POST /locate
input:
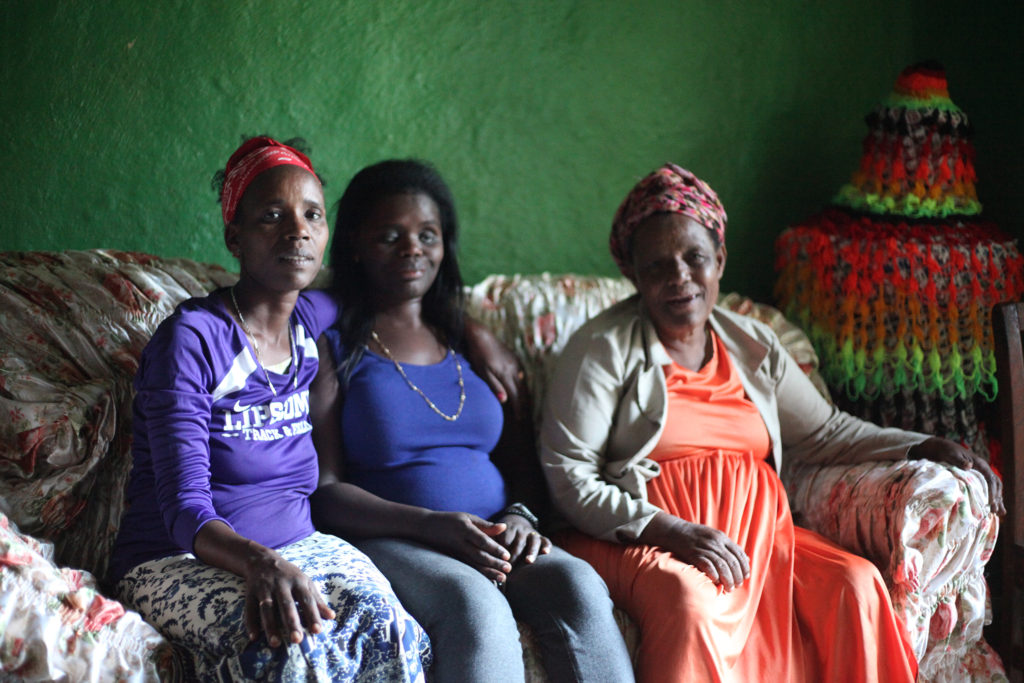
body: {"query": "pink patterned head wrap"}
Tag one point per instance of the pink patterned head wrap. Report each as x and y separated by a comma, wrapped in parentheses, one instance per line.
(669, 189)
(255, 156)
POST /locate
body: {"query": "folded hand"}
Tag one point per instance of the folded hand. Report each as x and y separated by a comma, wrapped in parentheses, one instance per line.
(471, 539)
(522, 541)
(706, 548)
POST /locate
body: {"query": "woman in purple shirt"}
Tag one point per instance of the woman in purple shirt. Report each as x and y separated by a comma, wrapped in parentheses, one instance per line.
(217, 548)
(405, 432)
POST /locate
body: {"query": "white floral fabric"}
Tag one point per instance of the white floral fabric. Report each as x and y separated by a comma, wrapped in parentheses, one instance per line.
(928, 529)
(55, 624)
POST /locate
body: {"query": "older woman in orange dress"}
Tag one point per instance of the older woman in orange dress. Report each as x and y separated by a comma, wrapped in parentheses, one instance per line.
(664, 428)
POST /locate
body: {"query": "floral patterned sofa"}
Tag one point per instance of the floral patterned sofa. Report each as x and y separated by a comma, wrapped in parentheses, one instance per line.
(72, 326)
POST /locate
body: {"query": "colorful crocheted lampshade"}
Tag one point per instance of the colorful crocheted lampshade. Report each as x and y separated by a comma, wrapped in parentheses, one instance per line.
(895, 282)
(917, 160)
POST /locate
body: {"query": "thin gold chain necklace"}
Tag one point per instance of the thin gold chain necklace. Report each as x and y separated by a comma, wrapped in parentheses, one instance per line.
(256, 347)
(458, 367)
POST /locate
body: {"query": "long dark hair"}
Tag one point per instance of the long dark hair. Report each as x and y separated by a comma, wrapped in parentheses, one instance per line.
(444, 302)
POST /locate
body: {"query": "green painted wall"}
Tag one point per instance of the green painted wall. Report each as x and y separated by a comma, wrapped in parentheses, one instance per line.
(980, 45)
(541, 114)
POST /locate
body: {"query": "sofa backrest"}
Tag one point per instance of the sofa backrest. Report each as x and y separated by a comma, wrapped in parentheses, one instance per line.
(72, 327)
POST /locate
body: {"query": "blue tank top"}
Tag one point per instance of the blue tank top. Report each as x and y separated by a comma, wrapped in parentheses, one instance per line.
(398, 448)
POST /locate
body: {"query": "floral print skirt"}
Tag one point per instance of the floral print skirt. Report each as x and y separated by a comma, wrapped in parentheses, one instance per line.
(201, 610)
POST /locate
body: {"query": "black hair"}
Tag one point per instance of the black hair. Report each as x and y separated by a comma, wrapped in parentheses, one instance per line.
(217, 182)
(443, 304)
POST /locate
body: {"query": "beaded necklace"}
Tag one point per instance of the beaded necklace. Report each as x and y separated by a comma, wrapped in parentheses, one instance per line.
(458, 367)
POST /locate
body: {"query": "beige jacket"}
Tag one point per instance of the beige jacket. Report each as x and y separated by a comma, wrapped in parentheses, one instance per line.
(606, 405)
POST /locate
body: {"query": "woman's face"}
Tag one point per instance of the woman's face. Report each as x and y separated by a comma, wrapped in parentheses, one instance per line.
(401, 246)
(279, 232)
(676, 268)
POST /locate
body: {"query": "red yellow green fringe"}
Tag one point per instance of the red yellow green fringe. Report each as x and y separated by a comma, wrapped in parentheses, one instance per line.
(917, 160)
(894, 306)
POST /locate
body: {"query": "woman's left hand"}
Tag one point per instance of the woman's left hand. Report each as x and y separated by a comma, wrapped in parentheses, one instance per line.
(938, 449)
(522, 541)
(498, 366)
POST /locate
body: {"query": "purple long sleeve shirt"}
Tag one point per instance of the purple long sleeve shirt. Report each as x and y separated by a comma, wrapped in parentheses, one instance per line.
(210, 439)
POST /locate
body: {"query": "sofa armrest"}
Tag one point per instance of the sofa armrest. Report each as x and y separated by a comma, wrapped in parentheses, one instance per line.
(56, 625)
(926, 526)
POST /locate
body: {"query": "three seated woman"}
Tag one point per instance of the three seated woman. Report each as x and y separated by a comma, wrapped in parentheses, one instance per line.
(664, 428)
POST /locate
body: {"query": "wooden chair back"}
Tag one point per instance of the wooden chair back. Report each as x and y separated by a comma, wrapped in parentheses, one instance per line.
(1008, 608)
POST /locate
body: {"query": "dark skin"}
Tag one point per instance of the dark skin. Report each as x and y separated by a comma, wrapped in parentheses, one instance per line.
(278, 236)
(496, 366)
(401, 250)
(677, 267)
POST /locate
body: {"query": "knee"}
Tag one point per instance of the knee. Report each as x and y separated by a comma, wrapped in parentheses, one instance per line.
(577, 582)
(685, 594)
(858, 583)
(473, 604)
(569, 580)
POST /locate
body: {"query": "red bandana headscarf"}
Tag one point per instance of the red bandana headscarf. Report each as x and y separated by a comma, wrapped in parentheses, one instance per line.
(255, 156)
(669, 189)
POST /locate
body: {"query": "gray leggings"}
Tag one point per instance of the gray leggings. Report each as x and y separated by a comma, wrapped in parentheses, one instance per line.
(472, 624)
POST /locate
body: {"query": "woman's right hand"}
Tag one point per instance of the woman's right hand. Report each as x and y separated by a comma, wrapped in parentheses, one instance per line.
(280, 600)
(469, 538)
(704, 547)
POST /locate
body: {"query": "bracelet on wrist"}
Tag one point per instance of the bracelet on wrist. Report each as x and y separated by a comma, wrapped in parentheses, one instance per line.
(522, 511)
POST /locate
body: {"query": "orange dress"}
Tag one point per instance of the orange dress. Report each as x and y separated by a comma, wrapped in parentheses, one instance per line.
(810, 611)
